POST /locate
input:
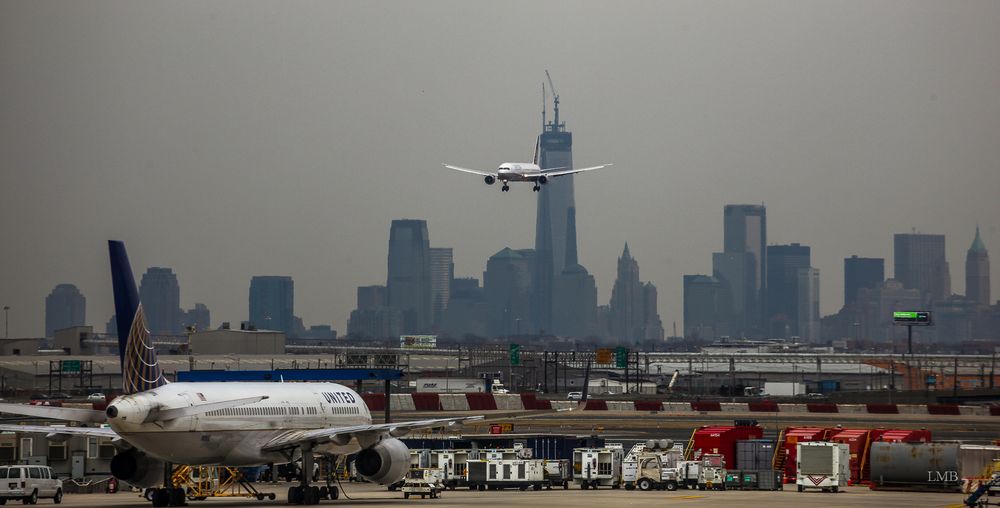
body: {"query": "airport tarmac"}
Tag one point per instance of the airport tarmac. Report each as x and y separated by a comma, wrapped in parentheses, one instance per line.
(371, 496)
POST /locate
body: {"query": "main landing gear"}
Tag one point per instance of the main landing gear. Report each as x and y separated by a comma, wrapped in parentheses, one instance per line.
(168, 495)
(505, 188)
(535, 188)
(306, 494)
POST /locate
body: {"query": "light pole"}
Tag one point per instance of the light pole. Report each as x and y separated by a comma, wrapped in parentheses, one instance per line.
(6, 321)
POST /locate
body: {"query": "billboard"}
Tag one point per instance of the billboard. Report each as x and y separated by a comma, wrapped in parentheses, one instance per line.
(912, 318)
(418, 341)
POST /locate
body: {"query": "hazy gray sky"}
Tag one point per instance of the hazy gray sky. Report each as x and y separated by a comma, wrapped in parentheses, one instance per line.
(228, 139)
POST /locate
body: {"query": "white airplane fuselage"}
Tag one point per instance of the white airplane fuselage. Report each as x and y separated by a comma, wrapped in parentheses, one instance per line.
(236, 436)
(517, 171)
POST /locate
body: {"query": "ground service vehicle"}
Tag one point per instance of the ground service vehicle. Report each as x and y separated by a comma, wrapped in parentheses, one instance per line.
(28, 484)
(424, 482)
(822, 465)
(652, 465)
(594, 467)
(499, 474)
(712, 473)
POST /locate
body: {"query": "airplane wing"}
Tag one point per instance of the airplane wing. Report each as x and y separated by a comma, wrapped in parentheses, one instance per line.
(58, 429)
(57, 413)
(320, 436)
(562, 172)
(473, 171)
(163, 415)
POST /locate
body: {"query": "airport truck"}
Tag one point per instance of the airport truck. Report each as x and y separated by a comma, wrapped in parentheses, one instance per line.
(652, 466)
(597, 467)
(688, 472)
(822, 465)
(423, 482)
(558, 473)
(712, 472)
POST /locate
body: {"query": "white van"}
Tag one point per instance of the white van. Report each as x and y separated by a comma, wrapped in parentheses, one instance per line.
(28, 483)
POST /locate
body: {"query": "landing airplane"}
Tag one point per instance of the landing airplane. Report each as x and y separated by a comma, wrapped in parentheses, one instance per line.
(522, 172)
(157, 423)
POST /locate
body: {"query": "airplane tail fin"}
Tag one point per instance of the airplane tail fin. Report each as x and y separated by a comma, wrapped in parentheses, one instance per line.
(140, 369)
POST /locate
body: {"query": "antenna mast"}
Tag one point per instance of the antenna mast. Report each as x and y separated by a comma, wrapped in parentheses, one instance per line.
(543, 105)
(555, 100)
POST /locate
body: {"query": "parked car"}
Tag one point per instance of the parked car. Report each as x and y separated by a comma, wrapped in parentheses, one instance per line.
(96, 397)
(60, 396)
(574, 396)
(29, 483)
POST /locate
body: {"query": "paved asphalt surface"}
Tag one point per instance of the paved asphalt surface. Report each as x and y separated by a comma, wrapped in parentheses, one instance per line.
(370, 496)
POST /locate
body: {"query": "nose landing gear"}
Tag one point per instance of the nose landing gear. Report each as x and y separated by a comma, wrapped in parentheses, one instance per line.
(535, 188)
(505, 188)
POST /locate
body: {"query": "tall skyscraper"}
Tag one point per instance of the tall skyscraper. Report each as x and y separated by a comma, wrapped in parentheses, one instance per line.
(920, 264)
(160, 295)
(506, 286)
(371, 297)
(807, 293)
(745, 231)
(977, 272)
(272, 303)
(861, 273)
(706, 307)
(734, 271)
(199, 317)
(409, 278)
(64, 307)
(554, 149)
(783, 265)
(442, 272)
(574, 304)
(633, 317)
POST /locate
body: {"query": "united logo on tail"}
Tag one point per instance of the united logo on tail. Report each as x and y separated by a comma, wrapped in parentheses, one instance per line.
(140, 369)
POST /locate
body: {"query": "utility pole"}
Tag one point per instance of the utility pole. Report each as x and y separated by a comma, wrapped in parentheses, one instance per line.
(6, 321)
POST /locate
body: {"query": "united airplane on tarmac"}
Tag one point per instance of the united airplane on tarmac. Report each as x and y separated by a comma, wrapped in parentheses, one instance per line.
(156, 423)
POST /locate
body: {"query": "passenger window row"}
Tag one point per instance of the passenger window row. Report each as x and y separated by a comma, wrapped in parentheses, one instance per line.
(263, 411)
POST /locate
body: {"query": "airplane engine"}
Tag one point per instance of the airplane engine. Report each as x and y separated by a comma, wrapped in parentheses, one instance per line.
(384, 463)
(543, 180)
(137, 468)
(490, 179)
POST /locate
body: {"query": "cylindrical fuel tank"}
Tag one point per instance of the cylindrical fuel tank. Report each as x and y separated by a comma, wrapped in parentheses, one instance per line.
(928, 464)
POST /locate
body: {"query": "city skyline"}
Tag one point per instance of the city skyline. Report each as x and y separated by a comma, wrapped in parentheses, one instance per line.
(198, 144)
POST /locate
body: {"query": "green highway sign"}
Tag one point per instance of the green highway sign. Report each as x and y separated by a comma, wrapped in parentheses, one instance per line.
(70, 365)
(621, 357)
(515, 354)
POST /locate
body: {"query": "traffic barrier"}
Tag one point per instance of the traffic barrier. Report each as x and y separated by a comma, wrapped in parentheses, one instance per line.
(596, 405)
(734, 407)
(374, 401)
(854, 409)
(530, 401)
(882, 409)
(677, 407)
(426, 402)
(648, 405)
(818, 407)
(764, 406)
(911, 409)
(454, 402)
(706, 405)
(508, 401)
(943, 409)
(621, 405)
(563, 404)
(402, 402)
(481, 401)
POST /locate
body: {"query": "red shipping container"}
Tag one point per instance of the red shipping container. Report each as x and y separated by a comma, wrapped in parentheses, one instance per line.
(722, 439)
(858, 441)
(795, 435)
